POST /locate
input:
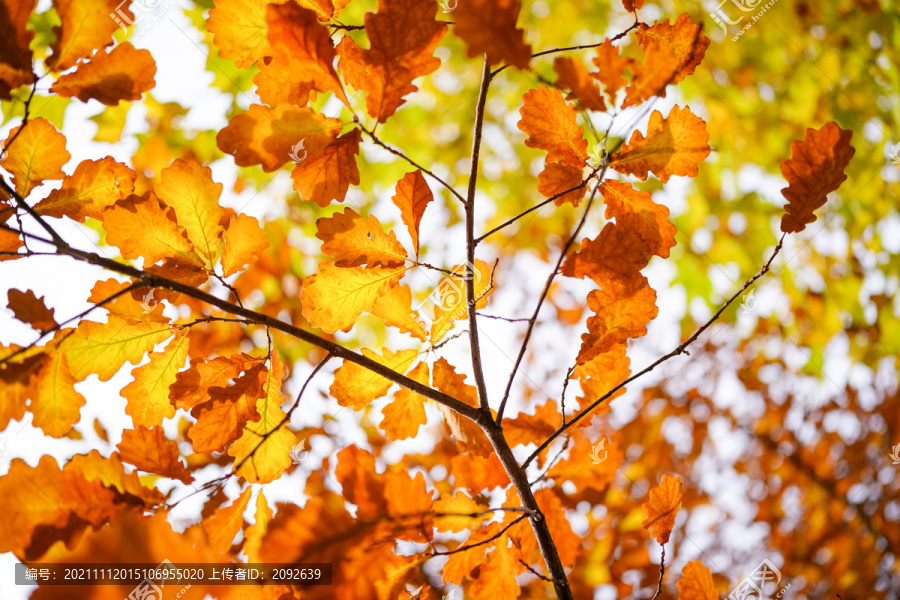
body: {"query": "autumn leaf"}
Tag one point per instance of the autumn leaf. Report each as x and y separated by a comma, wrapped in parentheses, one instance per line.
(696, 582)
(610, 67)
(102, 348)
(327, 177)
(334, 298)
(663, 507)
(450, 301)
(387, 69)
(412, 197)
(356, 386)
(221, 527)
(191, 387)
(39, 153)
(496, 578)
(551, 126)
(623, 201)
(30, 309)
(621, 313)
(489, 28)
(10, 243)
(270, 137)
(600, 374)
(815, 169)
(574, 76)
(568, 543)
(85, 26)
(55, 403)
(222, 418)
(458, 512)
(244, 243)
(354, 241)
(467, 435)
(15, 55)
(148, 394)
(240, 30)
(632, 5)
(557, 178)
(190, 190)
(395, 307)
(403, 415)
(122, 74)
(533, 429)
(616, 255)
(94, 186)
(682, 39)
(151, 451)
(145, 227)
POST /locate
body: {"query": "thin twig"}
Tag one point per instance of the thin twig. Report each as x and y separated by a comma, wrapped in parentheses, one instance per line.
(662, 571)
(481, 543)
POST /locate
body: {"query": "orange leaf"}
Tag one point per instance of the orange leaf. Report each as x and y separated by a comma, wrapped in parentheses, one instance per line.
(151, 451)
(411, 197)
(574, 76)
(568, 543)
(15, 55)
(403, 416)
(456, 513)
(39, 153)
(622, 312)
(682, 39)
(623, 201)
(673, 146)
(663, 507)
(356, 386)
(696, 583)
(221, 420)
(86, 26)
(30, 309)
(618, 253)
(356, 241)
(303, 57)
(551, 126)
(9, 245)
(335, 297)
(600, 374)
(189, 189)
(360, 484)
(145, 227)
(239, 30)
(220, 528)
(191, 387)
(122, 74)
(632, 5)
(270, 137)
(55, 403)
(94, 186)
(557, 178)
(610, 67)
(244, 243)
(533, 429)
(402, 37)
(328, 176)
(497, 577)
(468, 435)
(815, 169)
(488, 27)
(591, 466)
(395, 307)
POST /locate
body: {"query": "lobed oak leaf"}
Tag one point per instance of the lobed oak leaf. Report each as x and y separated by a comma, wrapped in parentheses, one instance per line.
(360, 485)
(222, 418)
(696, 582)
(402, 37)
(451, 304)
(266, 444)
(463, 563)
(191, 387)
(245, 241)
(568, 543)
(147, 395)
(815, 169)
(663, 507)
(15, 55)
(151, 451)
(355, 241)
(574, 76)
(17, 381)
(632, 5)
(189, 189)
(582, 469)
(610, 67)
(600, 374)
(126, 306)
(142, 226)
(38, 154)
(488, 27)
(254, 534)
(533, 429)
(407, 497)
(302, 57)
(218, 530)
(94, 186)
(623, 201)
(30, 309)
(55, 403)
(673, 146)
(458, 513)
(468, 436)
(557, 178)
(122, 74)
(622, 312)
(395, 307)
(327, 177)
(403, 416)
(616, 255)
(334, 298)
(551, 125)
(240, 30)
(356, 386)
(412, 196)
(497, 577)
(682, 39)
(85, 25)
(477, 473)
(9, 245)
(268, 136)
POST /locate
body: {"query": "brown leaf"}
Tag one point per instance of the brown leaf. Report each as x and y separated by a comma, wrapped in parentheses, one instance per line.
(622, 312)
(574, 76)
(411, 197)
(151, 451)
(488, 27)
(122, 74)
(30, 309)
(327, 177)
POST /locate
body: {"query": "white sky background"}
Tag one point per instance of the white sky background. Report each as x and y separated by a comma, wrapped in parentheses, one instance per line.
(181, 77)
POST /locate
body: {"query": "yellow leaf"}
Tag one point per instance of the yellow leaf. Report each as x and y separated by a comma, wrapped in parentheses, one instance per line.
(190, 190)
(696, 583)
(456, 513)
(354, 241)
(355, 386)
(395, 307)
(39, 153)
(244, 242)
(144, 227)
(148, 394)
(334, 298)
(86, 26)
(94, 186)
(403, 416)
(452, 305)
(56, 405)
(240, 31)
(253, 535)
